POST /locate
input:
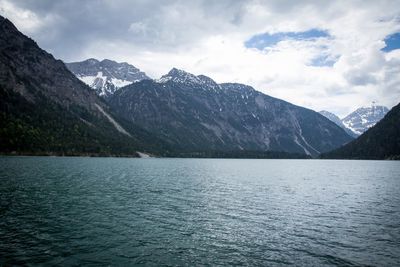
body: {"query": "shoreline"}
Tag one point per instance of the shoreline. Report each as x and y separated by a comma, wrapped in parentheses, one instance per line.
(144, 155)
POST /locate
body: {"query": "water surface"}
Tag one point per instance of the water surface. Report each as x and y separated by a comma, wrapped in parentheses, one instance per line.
(115, 211)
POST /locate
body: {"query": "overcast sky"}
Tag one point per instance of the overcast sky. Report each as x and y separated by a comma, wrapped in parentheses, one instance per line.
(332, 55)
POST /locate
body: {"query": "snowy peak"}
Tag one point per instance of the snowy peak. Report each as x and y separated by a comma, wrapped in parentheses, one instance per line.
(106, 76)
(179, 76)
(360, 120)
(364, 118)
(174, 72)
(183, 77)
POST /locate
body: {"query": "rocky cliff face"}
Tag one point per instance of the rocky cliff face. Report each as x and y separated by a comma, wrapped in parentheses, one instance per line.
(106, 76)
(194, 113)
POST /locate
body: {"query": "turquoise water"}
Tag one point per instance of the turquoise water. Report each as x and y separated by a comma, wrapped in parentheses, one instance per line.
(116, 211)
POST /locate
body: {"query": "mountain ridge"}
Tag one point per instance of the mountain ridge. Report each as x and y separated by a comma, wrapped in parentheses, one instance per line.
(195, 113)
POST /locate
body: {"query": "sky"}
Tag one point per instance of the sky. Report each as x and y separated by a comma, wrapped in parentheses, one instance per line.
(323, 55)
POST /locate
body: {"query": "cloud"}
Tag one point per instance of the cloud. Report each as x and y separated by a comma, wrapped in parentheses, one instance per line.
(324, 60)
(261, 41)
(316, 54)
(26, 20)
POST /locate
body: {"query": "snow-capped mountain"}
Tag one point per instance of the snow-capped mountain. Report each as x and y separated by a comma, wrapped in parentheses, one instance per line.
(358, 121)
(364, 118)
(183, 77)
(106, 76)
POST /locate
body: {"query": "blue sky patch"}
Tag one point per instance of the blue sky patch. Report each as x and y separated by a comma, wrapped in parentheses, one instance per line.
(392, 42)
(261, 41)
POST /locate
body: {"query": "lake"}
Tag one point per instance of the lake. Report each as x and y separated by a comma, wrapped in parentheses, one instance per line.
(122, 211)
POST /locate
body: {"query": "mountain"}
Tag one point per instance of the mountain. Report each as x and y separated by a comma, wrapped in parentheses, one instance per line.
(381, 141)
(358, 121)
(45, 109)
(106, 76)
(338, 122)
(364, 118)
(194, 113)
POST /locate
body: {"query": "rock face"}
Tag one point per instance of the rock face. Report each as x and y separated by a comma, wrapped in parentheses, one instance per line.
(364, 118)
(381, 141)
(194, 113)
(106, 76)
(44, 108)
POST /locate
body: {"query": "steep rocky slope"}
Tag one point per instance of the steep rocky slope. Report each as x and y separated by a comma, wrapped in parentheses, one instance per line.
(45, 109)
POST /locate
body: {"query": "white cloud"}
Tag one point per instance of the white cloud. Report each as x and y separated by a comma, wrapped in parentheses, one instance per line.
(207, 37)
(25, 20)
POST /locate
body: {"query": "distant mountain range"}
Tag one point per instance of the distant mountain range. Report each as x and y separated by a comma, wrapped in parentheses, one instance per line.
(381, 141)
(45, 109)
(106, 76)
(359, 120)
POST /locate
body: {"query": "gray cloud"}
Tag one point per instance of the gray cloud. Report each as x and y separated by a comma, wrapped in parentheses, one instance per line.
(157, 25)
(358, 77)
